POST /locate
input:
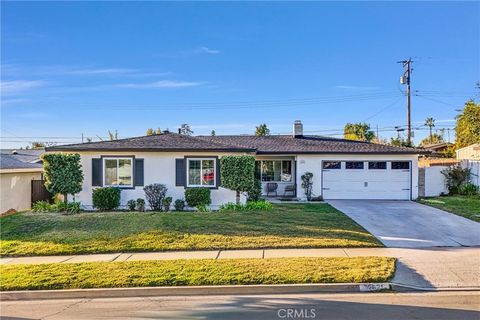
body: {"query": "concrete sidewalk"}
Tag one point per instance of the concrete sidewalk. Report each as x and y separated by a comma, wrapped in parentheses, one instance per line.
(419, 267)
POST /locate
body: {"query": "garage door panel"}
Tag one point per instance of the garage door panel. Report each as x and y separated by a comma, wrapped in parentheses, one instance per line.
(366, 183)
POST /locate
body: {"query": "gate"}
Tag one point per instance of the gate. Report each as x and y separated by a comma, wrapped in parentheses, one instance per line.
(39, 192)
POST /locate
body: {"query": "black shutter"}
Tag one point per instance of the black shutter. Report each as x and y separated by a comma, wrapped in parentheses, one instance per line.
(180, 172)
(97, 172)
(218, 172)
(138, 172)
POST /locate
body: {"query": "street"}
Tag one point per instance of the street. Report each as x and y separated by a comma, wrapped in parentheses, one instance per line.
(422, 305)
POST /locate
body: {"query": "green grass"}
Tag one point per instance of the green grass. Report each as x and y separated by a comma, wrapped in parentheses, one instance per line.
(468, 207)
(286, 226)
(195, 272)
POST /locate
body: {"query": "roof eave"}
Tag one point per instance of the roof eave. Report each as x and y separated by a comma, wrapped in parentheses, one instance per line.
(54, 149)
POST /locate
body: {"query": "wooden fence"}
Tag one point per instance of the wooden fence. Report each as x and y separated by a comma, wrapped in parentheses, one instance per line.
(39, 192)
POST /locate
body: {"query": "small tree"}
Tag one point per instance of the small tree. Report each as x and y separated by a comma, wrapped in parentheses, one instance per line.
(358, 131)
(155, 193)
(307, 184)
(238, 173)
(456, 177)
(63, 173)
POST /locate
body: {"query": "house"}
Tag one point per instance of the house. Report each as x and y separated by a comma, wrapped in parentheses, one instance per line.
(438, 149)
(342, 169)
(469, 157)
(17, 170)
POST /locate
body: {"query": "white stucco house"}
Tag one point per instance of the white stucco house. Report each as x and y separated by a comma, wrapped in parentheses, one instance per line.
(17, 170)
(342, 169)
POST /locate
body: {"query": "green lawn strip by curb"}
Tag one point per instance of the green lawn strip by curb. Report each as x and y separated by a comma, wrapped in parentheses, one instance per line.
(286, 226)
(196, 273)
(468, 207)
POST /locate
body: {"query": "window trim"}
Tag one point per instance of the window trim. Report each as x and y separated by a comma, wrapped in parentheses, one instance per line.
(336, 161)
(408, 162)
(187, 166)
(292, 165)
(123, 186)
(374, 161)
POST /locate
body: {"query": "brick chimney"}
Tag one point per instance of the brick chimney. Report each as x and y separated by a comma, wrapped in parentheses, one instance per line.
(297, 129)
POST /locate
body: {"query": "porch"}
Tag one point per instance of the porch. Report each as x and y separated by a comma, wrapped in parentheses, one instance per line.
(277, 175)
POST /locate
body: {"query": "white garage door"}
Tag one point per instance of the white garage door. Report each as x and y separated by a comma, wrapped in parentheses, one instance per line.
(366, 180)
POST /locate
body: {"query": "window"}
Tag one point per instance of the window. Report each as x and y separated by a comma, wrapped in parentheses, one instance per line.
(400, 165)
(377, 165)
(354, 165)
(118, 172)
(332, 165)
(201, 173)
(274, 170)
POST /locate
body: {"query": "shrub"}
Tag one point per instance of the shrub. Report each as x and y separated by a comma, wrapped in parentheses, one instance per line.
(63, 173)
(196, 197)
(131, 204)
(179, 205)
(202, 208)
(249, 206)
(468, 189)
(238, 173)
(255, 192)
(155, 193)
(166, 203)
(106, 198)
(455, 178)
(41, 206)
(307, 184)
(140, 205)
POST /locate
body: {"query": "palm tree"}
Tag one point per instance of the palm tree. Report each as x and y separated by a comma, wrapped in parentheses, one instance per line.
(430, 123)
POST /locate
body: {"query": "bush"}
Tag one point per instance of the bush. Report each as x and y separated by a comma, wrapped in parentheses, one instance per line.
(140, 205)
(249, 206)
(106, 198)
(307, 184)
(131, 204)
(166, 203)
(455, 178)
(59, 206)
(196, 197)
(468, 189)
(203, 208)
(179, 205)
(255, 192)
(155, 193)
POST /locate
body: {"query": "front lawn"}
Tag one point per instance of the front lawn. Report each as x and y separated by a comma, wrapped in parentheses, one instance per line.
(286, 226)
(468, 207)
(195, 273)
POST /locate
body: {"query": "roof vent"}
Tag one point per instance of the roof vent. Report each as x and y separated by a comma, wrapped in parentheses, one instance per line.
(14, 152)
(297, 129)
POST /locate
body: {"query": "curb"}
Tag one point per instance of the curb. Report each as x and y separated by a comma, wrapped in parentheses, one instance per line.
(191, 290)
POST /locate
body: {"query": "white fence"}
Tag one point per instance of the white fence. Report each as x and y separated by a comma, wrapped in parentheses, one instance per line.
(435, 181)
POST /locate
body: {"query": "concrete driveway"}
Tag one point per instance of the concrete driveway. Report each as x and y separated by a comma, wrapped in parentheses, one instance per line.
(410, 224)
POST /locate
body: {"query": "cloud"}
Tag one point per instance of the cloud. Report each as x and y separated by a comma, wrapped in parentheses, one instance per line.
(198, 51)
(16, 86)
(347, 87)
(105, 71)
(161, 84)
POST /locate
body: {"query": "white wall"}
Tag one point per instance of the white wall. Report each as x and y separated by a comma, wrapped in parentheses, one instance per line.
(474, 166)
(312, 163)
(16, 190)
(435, 181)
(159, 167)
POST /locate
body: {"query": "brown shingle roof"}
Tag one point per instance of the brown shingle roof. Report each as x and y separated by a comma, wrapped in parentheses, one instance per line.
(277, 144)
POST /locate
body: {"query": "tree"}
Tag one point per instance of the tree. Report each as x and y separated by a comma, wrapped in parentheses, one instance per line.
(262, 130)
(37, 145)
(432, 139)
(238, 173)
(399, 142)
(430, 123)
(113, 135)
(150, 132)
(185, 129)
(158, 131)
(63, 173)
(213, 133)
(358, 131)
(467, 129)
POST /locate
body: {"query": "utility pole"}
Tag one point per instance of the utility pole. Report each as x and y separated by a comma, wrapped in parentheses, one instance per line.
(405, 79)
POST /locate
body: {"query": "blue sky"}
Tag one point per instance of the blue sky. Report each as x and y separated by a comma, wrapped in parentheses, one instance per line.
(90, 67)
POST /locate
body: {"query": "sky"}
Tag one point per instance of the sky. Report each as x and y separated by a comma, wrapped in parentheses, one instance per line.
(73, 68)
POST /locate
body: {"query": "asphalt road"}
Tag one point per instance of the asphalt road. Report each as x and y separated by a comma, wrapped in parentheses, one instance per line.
(436, 305)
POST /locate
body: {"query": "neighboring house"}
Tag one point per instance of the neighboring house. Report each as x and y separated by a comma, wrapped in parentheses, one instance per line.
(470, 158)
(342, 169)
(17, 169)
(438, 149)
